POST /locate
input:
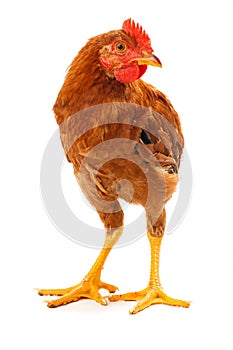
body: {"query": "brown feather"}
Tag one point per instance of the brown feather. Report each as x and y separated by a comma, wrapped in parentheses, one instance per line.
(118, 112)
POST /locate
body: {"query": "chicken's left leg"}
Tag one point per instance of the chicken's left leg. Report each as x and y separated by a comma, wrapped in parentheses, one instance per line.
(153, 293)
(91, 283)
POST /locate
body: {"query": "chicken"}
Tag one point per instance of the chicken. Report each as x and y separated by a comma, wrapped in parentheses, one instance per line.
(124, 140)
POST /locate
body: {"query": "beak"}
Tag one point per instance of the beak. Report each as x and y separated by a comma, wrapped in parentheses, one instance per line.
(151, 60)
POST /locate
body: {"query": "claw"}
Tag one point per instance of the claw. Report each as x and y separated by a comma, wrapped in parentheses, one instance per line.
(148, 297)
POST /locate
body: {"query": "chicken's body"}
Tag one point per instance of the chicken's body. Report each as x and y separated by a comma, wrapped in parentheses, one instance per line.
(111, 131)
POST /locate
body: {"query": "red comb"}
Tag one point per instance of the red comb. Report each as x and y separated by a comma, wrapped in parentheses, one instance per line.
(136, 31)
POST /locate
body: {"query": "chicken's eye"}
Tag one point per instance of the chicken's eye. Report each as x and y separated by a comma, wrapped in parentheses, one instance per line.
(120, 47)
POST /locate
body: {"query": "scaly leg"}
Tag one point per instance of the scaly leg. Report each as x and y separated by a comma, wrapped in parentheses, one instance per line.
(153, 293)
(91, 283)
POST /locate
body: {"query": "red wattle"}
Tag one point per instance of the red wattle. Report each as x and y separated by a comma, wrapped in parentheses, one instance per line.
(128, 74)
(142, 69)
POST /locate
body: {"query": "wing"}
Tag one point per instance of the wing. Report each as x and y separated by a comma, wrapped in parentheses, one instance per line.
(90, 127)
(161, 131)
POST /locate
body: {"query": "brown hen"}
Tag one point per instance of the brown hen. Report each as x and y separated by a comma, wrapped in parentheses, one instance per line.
(124, 139)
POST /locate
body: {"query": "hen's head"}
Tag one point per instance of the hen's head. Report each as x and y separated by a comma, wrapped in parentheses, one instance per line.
(126, 57)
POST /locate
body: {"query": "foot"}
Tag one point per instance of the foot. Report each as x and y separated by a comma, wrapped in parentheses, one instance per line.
(88, 288)
(148, 296)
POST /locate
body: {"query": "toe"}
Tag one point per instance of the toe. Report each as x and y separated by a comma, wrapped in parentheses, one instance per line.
(53, 292)
(131, 296)
(110, 287)
(66, 299)
(103, 301)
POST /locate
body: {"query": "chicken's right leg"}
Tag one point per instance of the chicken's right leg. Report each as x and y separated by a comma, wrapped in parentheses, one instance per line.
(91, 283)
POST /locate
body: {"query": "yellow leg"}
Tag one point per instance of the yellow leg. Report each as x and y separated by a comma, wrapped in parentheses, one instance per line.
(91, 283)
(153, 293)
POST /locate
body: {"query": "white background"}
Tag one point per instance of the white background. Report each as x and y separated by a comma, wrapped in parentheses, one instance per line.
(193, 39)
